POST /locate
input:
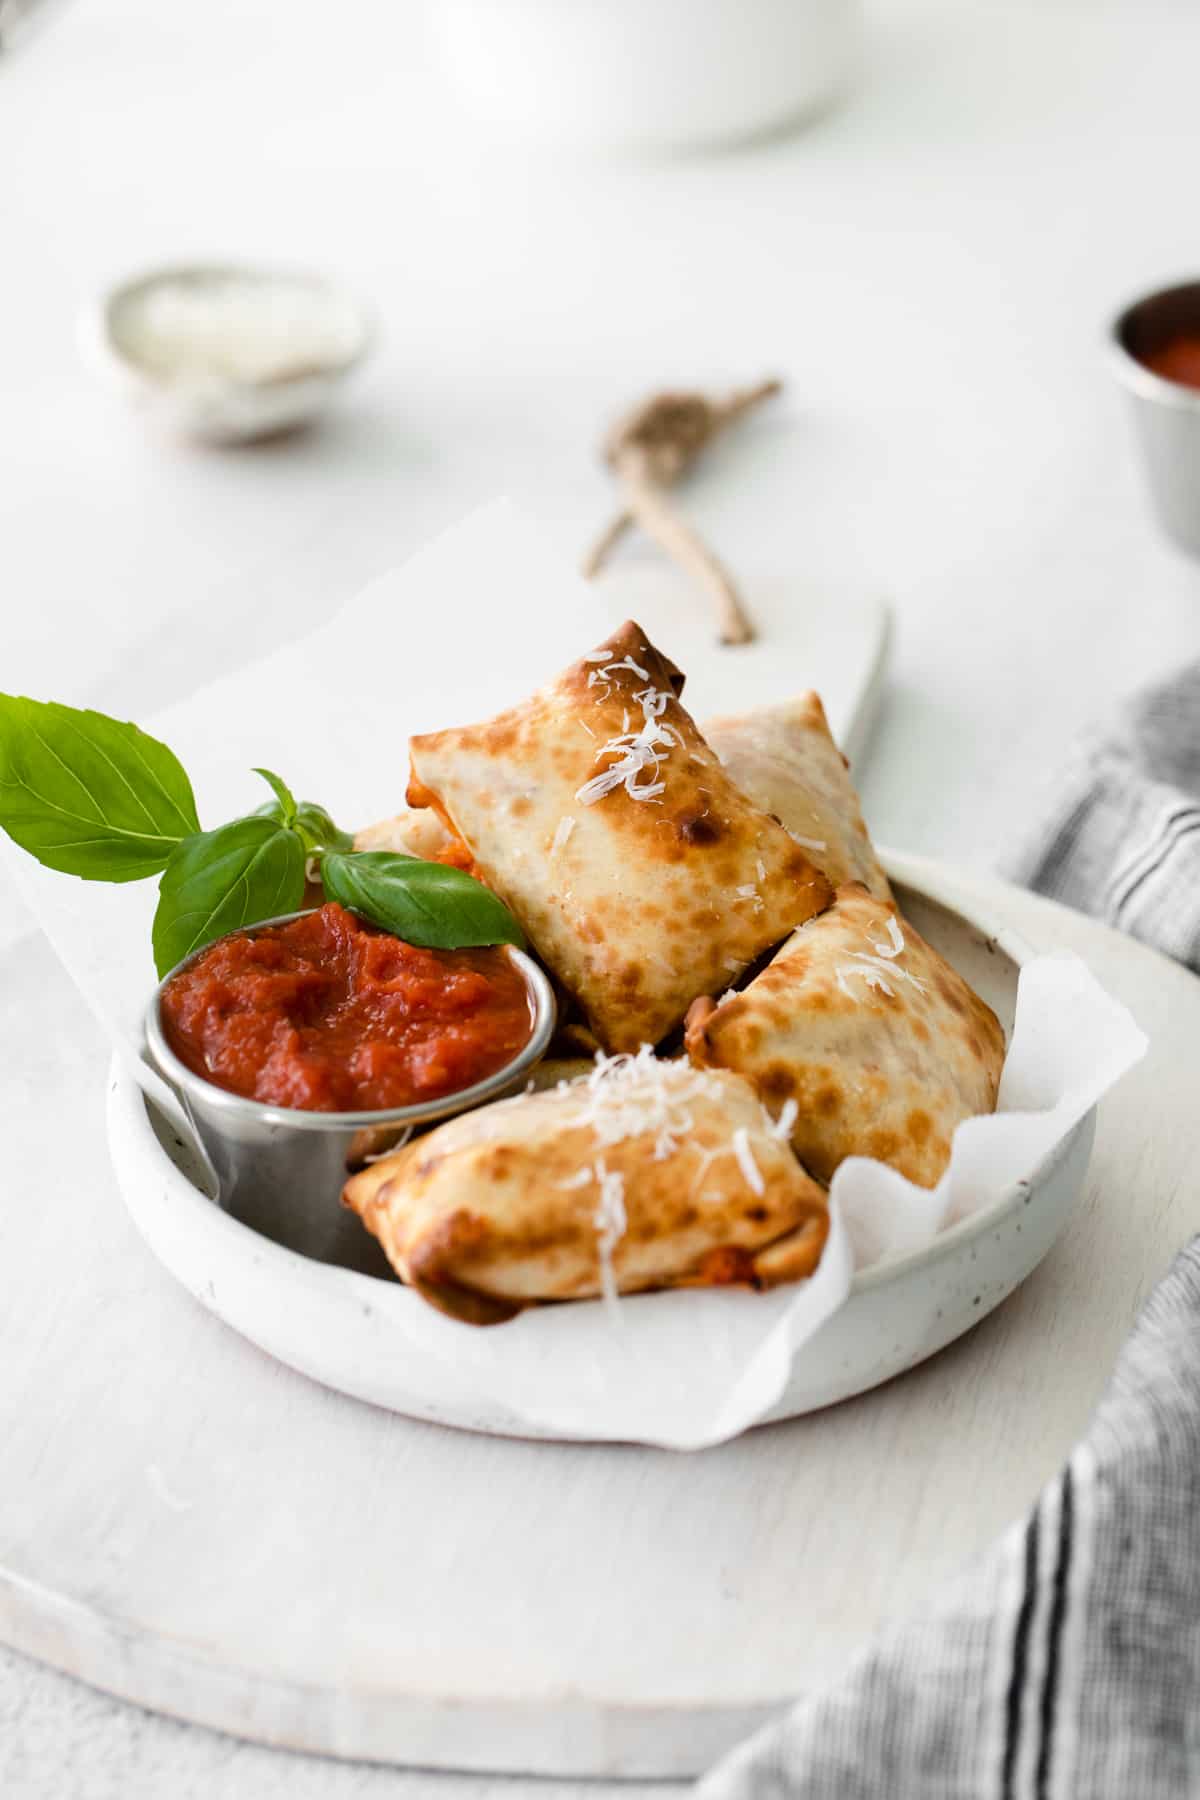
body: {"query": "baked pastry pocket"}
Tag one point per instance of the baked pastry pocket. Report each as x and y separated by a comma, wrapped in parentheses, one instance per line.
(647, 1174)
(640, 872)
(861, 1039)
(785, 759)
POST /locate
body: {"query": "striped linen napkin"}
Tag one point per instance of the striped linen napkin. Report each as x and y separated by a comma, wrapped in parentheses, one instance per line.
(1066, 1664)
(1121, 839)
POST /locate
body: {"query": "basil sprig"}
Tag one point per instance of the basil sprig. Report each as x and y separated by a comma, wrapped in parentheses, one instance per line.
(98, 798)
(422, 902)
(312, 822)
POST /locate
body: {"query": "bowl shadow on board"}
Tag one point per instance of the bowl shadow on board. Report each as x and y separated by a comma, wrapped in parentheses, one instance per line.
(350, 428)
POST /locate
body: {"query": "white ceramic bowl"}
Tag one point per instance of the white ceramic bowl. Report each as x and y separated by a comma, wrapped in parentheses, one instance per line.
(645, 73)
(227, 354)
(354, 1333)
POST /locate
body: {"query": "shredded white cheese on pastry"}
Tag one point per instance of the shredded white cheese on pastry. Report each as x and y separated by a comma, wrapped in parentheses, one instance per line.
(607, 674)
(897, 940)
(637, 753)
(788, 1114)
(582, 1177)
(635, 1096)
(642, 1095)
(879, 968)
(610, 1222)
(746, 1162)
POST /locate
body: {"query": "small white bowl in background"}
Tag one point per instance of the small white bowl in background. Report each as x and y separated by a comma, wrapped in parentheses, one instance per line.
(655, 74)
(228, 354)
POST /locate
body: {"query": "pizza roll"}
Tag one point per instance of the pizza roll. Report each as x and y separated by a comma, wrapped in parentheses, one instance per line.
(641, 873)
(785, 758)
(648, 1174)
(861, 1039)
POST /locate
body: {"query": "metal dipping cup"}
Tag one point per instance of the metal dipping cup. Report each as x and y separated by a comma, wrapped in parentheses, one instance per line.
(281, 1170)
(1166, 414)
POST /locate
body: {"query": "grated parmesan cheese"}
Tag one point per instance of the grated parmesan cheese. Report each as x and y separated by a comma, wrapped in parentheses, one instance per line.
(637, 753)
(761, 869)
(636, 1096)
(611, 1222)
(878, 967)
(808, 843)
(642, 1096)
(897, 939)
(566, 826)
(746, 1162)
(607, 674)
(878, 973)
(782, 1128)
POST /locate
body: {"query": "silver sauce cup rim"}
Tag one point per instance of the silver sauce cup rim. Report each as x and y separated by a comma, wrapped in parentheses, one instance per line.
(219, 1100)
(1130, 371)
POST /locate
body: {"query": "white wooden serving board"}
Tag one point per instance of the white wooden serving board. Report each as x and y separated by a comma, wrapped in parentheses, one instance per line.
(186, 1523)
(813, 630)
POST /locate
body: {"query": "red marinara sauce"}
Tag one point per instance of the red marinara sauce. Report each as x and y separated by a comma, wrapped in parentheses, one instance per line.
(328, 1014)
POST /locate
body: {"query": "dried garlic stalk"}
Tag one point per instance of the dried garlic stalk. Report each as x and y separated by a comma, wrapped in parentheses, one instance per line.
(649, 450)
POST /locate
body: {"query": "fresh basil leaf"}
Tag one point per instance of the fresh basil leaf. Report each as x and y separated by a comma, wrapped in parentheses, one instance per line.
(218, 881)
(318, 829)
(312, 822)
(425, 903)
(90, 795)
(282, 793)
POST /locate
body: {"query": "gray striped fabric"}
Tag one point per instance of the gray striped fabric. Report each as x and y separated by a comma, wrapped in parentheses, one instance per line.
(1067, 1664)
(1121, 839)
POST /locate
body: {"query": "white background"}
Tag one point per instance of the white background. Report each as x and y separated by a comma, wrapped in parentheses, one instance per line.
(931, 267)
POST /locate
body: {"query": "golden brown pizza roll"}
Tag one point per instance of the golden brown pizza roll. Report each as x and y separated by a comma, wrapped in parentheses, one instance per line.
(785, 758)
(641, 873)
(415, 831)
(648, 1174)
(861, 1039)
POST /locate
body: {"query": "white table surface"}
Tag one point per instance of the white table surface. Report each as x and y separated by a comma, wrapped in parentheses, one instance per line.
(931, 268)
